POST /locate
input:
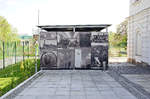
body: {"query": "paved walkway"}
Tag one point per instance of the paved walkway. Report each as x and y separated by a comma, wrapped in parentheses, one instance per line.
(135, 79)
(75, 84)
(142, 80)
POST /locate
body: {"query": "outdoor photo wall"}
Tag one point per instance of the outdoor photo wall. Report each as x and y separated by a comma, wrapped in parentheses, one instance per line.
(48, 50)
(99, 49)
(66, 50)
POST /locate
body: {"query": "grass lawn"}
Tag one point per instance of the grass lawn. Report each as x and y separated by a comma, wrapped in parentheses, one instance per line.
(117, 52)
(14, 74)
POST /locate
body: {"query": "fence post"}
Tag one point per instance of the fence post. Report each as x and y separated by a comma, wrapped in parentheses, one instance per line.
(35, 57)
(15, 52)
(3, 54)
(28, 49)
(7, 49)
(23, 50)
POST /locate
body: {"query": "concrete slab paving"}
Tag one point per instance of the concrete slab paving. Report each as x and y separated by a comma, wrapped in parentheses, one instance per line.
(74, 84)
(140, 79)
(134, 78)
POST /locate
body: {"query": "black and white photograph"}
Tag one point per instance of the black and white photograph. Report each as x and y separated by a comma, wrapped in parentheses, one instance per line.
(85, 39)
(99, 55)
(65, 58)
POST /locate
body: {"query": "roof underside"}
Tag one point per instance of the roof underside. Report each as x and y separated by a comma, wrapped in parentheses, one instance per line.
(77, 28)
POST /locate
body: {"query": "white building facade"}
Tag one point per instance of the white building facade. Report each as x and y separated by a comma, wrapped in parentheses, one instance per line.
(139, 32)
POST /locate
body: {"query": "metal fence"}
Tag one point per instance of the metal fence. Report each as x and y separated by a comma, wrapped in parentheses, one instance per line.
(13, 52)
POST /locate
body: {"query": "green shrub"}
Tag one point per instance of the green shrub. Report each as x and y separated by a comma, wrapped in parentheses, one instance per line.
(14, 74)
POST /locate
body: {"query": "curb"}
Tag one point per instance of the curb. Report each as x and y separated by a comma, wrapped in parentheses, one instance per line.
(13, 92)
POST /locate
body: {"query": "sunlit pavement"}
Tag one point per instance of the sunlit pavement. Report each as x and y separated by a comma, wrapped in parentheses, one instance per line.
(117, 59)
(75, 84)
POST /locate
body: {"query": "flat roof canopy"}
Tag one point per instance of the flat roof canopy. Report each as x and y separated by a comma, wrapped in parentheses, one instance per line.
(76, 28)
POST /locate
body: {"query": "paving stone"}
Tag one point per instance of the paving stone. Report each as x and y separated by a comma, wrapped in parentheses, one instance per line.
(103, 86)
(105, 89)
(91, 89)
(94, 97)
(114, 84)
(78, 84)
(63, 89)
(43, 97)
(78, 93)
(109, 93)
(110, 97)
(77, 97)
(92, 93)
(127, 97)
(59, 97)
(26, 97)
(62, 93)
(121, 92)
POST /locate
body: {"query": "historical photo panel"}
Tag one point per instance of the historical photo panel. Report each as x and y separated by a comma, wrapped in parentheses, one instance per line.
(73, 50)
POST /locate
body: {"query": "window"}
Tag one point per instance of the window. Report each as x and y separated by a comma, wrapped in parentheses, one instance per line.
(134, 1)
(138, 44)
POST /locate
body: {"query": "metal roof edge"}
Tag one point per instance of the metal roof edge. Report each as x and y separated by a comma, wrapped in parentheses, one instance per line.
(71, 26)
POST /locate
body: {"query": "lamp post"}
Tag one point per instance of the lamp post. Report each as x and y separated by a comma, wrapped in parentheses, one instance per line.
(35, 56)
(36, 43)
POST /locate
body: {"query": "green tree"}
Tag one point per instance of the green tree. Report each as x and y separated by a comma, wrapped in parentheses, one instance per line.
(7, 32)
(122, 27)
(118, 44)
(118, 40)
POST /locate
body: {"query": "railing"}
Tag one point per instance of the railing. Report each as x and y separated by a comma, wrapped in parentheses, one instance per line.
(17, 63)
(13, 52)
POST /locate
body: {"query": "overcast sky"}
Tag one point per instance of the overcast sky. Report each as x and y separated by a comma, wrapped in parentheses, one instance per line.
(22, 14)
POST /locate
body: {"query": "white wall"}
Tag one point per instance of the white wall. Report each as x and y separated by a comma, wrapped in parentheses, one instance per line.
(138, 6)
(139, 20)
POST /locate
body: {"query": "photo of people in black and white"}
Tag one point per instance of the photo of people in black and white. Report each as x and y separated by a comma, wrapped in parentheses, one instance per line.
(65, 59)
(99, 55)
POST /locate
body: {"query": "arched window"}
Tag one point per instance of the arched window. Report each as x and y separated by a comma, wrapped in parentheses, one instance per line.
(138, 43)
(133, 1)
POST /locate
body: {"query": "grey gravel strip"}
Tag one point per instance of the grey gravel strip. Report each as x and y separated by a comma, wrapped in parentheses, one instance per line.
(130, 69)
(133, 88)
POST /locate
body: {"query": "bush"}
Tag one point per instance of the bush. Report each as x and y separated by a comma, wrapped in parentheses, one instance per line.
(14, 74)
